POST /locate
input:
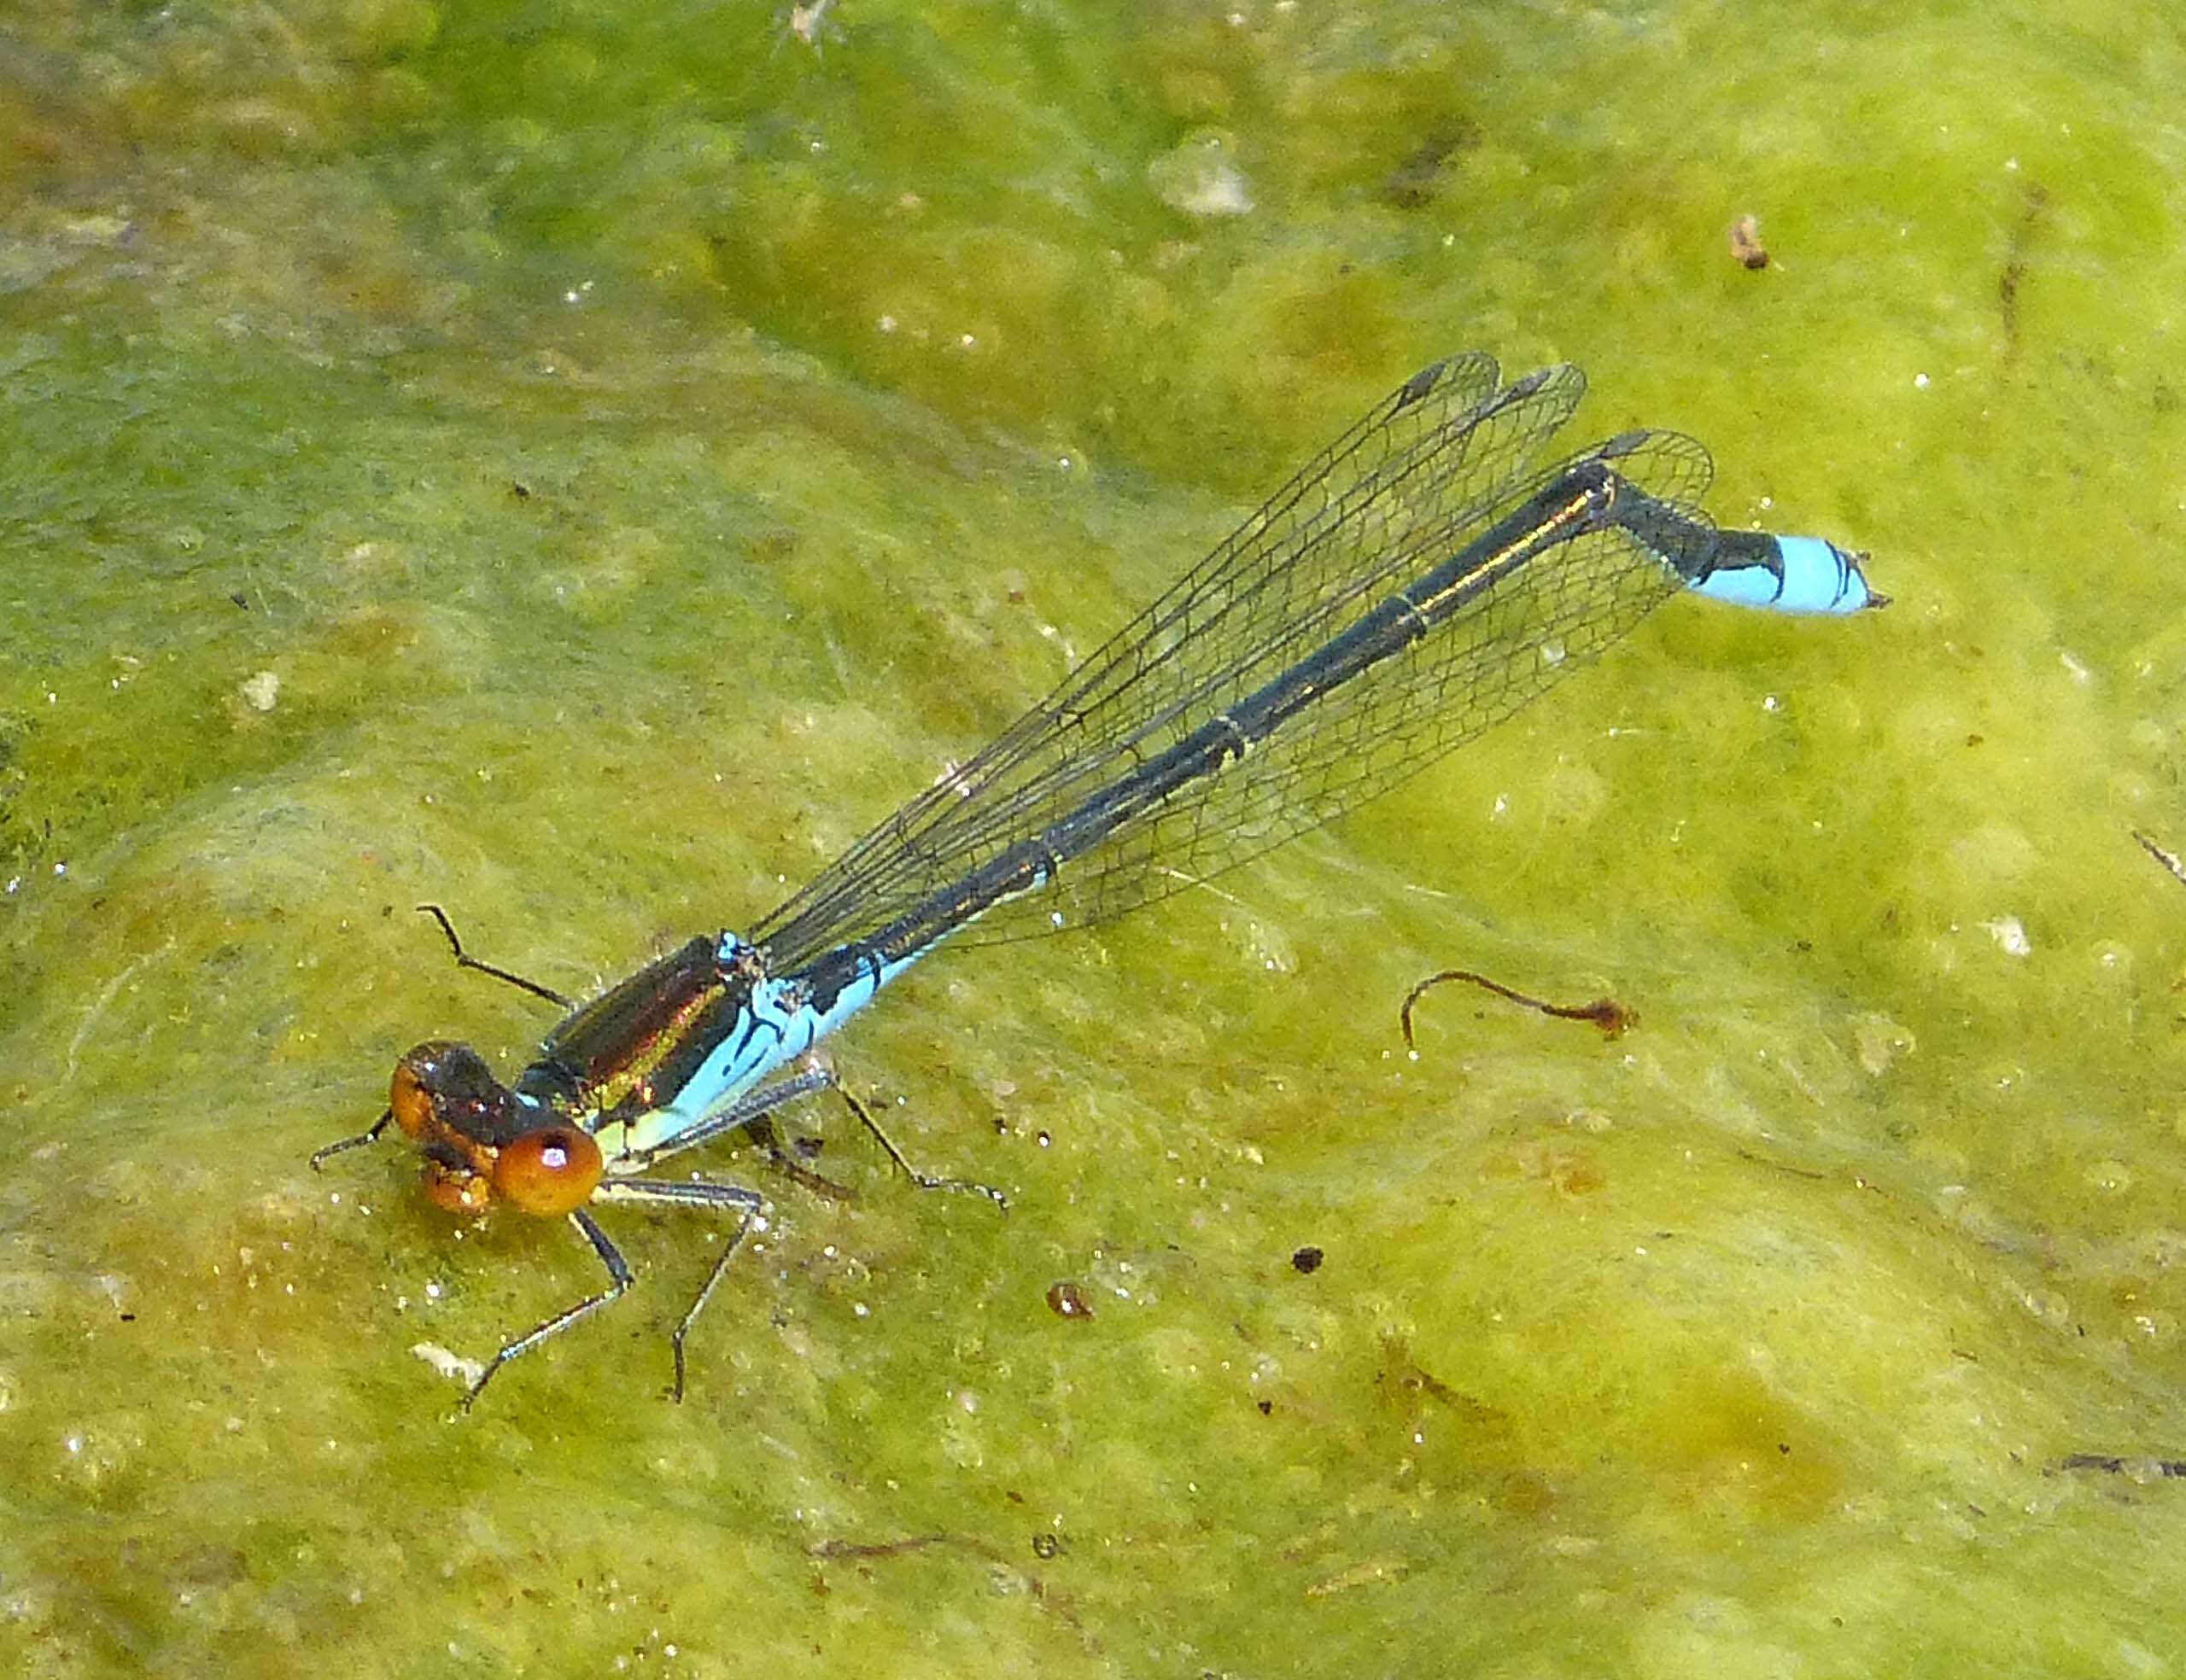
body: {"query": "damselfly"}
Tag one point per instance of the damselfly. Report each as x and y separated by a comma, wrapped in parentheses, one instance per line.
(1418, 582)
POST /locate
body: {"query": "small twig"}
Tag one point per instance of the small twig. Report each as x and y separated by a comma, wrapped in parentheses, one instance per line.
(1604, 1012)
(2117, 1464)
(828, 1551)
(2168, 860)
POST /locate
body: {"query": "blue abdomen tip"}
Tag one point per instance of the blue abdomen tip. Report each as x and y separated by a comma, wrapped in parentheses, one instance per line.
(1804, 575)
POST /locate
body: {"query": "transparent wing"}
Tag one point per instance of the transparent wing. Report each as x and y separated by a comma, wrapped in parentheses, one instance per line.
(1432, 465)
(1551, 617)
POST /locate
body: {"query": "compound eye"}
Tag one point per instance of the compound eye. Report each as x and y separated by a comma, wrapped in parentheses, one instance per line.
(550, 1171)
(410, 1099)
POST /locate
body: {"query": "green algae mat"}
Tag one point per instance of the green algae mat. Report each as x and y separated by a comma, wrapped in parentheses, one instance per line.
(580, 466)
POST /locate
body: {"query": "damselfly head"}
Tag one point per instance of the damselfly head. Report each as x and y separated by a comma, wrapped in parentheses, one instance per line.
(445, 1091)
(479, 1141)
(448, 1103)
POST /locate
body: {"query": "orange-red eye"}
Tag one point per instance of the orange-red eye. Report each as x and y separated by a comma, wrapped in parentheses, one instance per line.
(550, 1171)
(408, 1098)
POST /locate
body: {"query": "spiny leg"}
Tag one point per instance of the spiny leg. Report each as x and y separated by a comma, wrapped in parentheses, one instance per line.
(924, 1180)
(370, 1134)
(619, 1280)
(749, 1113)
(756, 1104)
(690, 1193)
(463, 960)
(2170, 861)
(761, 1132)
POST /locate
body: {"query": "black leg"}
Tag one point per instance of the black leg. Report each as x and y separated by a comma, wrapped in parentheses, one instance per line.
(691, 1193)
(463, 960)
(924, 1180)
(369, 1135)
(762, 1133)
(619, 1280)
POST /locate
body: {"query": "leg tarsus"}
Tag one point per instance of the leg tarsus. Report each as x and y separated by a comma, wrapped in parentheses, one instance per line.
(687, 1193)
(619, 1281)
(370, 1134)
(705, 1293)
(924, 1180)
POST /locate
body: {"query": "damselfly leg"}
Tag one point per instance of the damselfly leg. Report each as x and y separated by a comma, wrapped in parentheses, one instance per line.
(464, 959)
(688, 1193)
(924, 1180)
(370, 1134)
(754, 1106)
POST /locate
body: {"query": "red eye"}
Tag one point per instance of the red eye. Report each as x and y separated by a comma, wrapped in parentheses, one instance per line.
(550, 1171)
(409, 1099)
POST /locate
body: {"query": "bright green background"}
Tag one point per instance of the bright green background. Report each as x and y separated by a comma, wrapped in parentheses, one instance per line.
(1746, 1345)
